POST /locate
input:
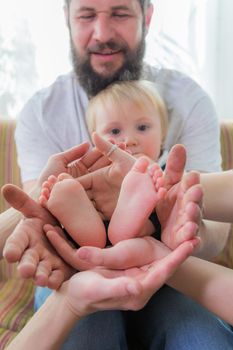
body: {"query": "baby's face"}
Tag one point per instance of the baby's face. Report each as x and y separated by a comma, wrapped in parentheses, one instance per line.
(138, 127)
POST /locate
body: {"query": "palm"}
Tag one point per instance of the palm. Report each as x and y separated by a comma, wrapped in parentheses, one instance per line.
(170, 215)
(58, 163)
(28, 243)
(103, 185)
(169, 209)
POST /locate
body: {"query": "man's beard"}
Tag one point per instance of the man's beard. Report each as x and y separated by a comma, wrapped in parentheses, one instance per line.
(93, 82)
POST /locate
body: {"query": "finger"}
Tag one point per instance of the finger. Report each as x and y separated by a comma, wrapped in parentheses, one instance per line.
(19, 200)
(91, 157)
(57, 229)
(123, 255)
(187, 232)
(95, 255)
(66, 251)
(175, 165)
(195, 195)
(74, 153)
(106, 146)
(160, 271)
(190, 179)
(116, 289)
(15, 245)
(43, 272)
(106, 292)
(56, 278)
(193, 212)
(28, 264)
(102, 162)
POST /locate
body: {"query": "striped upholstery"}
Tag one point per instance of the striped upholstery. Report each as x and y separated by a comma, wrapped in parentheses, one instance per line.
(16, 307)
(9, 172)
(16, 295)
(226, 257)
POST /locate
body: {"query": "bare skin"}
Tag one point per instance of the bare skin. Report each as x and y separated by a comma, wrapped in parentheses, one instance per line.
(107, 181)
(185, 222)
(94, 182)
(95, 290)
(128, 253)
(69, 203)
(28, 244)
(66, 199)
(138, 197)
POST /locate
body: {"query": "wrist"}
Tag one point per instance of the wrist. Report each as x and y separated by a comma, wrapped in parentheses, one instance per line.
(57, 308)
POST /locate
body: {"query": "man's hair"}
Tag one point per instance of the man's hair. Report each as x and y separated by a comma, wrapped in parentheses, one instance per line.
(143, 3)
(140, 92)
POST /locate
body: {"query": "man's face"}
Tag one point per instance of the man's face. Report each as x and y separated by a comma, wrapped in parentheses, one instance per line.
(107, 41)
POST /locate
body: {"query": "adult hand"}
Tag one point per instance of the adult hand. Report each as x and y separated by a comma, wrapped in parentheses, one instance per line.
(102, 289)
(27, 244)
(179, 212)
(76, 161)
(103, 185)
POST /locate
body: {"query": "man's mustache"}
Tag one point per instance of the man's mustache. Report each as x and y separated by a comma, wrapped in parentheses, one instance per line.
(110, 45)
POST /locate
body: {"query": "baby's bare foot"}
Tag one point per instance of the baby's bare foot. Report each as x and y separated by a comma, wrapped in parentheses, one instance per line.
(138, 197)
(69, 203)
(47, 187)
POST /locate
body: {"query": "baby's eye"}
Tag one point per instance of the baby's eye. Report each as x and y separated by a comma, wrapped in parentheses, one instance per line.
(142, 127)
(115, 131)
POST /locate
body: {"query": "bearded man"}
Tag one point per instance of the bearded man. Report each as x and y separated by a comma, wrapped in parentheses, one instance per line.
(107, 44)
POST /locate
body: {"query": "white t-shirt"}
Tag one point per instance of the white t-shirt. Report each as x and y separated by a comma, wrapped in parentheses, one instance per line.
(54, 120)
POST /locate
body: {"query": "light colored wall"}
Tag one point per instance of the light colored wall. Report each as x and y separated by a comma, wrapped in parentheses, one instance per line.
(224, 77)
(216, 71)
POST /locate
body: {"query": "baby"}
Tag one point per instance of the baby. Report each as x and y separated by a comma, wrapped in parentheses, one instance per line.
(134, 115)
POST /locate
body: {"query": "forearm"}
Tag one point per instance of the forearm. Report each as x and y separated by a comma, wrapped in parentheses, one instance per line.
(48, 328)
(218, 193)
(209, 284)
(213, 239)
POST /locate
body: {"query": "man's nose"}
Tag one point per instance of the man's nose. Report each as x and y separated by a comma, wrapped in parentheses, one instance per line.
(103, 29)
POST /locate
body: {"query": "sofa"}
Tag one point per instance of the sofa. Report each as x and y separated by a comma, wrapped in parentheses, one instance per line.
(16, 295)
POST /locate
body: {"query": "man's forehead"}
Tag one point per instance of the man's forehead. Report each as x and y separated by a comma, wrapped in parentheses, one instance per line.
(104, 4)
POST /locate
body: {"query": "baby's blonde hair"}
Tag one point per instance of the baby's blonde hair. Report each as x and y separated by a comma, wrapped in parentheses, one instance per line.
(140, 92)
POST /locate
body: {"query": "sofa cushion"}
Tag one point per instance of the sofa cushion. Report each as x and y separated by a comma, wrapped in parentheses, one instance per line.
(225, 258)
(16, 307)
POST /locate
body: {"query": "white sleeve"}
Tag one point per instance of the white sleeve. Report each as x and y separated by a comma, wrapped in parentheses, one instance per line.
(201, 137)
(193, 123)
(32, 141)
